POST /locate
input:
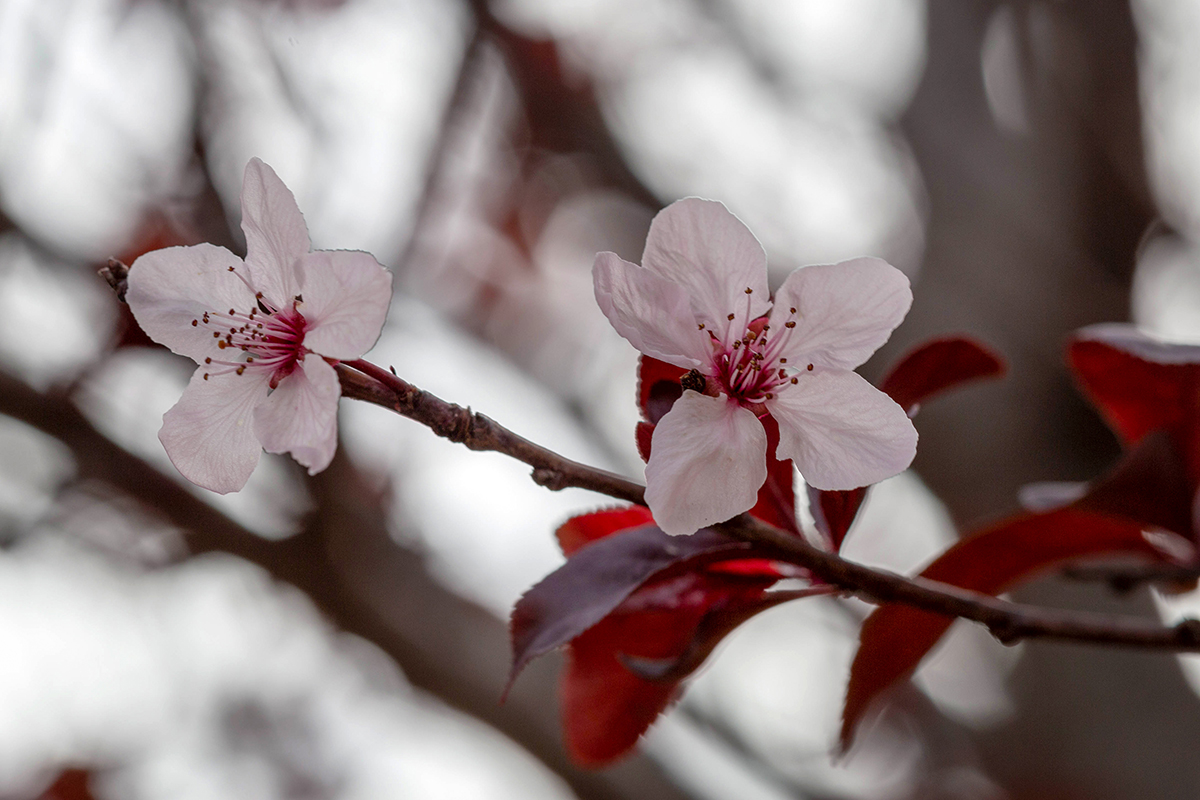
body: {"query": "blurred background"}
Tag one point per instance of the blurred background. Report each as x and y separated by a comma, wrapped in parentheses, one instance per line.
(1032, 166)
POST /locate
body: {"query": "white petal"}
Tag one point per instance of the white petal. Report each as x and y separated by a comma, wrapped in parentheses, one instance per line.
(652, 313)
(844, 311)
(171, 287)
(300, 416)
(276, 234)
(841, 431)
(708, 459)
(208, 434)
(699, 245)
(346, 297)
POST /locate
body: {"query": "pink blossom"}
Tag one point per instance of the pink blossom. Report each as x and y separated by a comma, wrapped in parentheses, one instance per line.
(263, 332)
(700, 301)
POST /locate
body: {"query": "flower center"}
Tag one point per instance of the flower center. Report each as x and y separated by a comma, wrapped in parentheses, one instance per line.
(262, 339)
(751, 369)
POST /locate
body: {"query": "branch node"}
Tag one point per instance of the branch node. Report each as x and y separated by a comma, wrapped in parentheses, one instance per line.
(1188, 631)
(1008, 632)
(550, 478)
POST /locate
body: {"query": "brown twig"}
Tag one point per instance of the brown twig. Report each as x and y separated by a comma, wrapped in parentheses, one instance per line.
(1008, 622)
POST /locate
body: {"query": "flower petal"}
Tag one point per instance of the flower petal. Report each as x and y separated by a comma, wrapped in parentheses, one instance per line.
(652, 313)
(708, 459)
(208, 435)
(170, 288)
(844, 311)
(699, 245)
(841, 431)
(300, 416)
(346, 297)
(276, 234)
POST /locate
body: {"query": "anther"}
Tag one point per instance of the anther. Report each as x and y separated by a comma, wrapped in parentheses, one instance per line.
(694, 380)
(208, 360)
(206, 376)
(195, 322)
(789, 324)
(770, 396)
(749, 290)
(730, 317)
(232, 312)
(793, 311)
(216, 334)
(810, 366)
(221, 344)
(241, 369)
(737, 344)
(701, 326)
(795, 381)
(783, 361)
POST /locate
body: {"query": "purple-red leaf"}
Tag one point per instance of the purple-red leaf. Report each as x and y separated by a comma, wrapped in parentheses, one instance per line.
(895, 638)
(606, 704)
(597, 578)
(939, 365)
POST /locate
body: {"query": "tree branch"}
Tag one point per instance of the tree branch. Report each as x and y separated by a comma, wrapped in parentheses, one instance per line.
(1008, 622)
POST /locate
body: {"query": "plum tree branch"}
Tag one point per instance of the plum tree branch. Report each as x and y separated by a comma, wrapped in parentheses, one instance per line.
(1009, 622)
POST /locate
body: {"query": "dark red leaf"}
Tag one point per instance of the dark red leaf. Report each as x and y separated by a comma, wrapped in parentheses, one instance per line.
(71, 784)
(597, 578)
(1149, 484)
(606, 706)
(895, 638)
(658, 387)
(834, 511)
(777, 498)
(939, 365)
(1139, 385)
(643, 433)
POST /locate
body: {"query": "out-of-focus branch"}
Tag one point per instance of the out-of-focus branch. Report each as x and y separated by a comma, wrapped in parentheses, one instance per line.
(1126, 578)
(365, 584)
(1009, 622)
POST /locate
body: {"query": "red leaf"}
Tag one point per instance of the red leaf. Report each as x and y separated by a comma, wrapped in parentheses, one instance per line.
(1139, 385)
(939, 365)
(586, 528)
(895, 638)
(597, 578)
(606, 707)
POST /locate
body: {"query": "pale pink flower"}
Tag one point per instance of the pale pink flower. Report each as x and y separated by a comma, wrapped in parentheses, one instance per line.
(263, 332)
(700, 301)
